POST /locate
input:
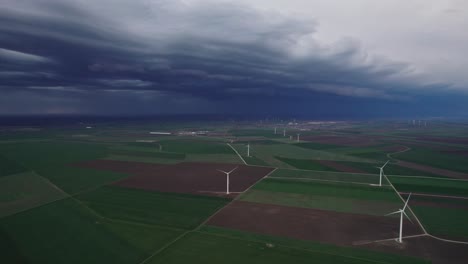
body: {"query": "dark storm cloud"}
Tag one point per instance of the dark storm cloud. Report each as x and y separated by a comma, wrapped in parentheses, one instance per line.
(168, 56)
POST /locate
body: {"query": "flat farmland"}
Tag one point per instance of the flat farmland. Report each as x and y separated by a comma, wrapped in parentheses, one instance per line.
(26, 190)
(308, 224)
(8, 166)
(293, 174)
(430, 186)
(432, 158)
(194, 178)
(66, 232)
(195, 147)
(325, 196)
(352, 141)
(51, 159)
(163, 209)
(232, 247)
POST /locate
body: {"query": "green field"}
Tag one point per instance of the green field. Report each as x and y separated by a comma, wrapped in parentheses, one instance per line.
(165, 209)
(444, 222)
(195, 147)
(327, 176)
(304, 164)
(8, 166)
(316, 146)
(430, 157)
(390, 169)
(323, 202)
(340, 190)
(26, 190)
(226, 246)
(51, 160)
(430, 186)
(66, 232)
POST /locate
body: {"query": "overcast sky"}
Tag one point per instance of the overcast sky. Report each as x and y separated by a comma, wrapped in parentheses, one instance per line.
(330, 59)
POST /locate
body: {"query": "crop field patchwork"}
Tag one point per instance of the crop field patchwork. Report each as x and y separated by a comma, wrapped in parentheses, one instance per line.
(164, 209)
(74, 235)
(26, 190)
(232, 247)
(358, 178)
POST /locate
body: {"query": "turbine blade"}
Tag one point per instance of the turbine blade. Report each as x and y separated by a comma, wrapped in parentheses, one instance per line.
(233, 169)
(385, 164)
(222, 171)
(406, 204)
(397, 212)
(408, 217)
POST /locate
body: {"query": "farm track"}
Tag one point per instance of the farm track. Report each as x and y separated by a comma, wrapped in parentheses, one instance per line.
(411, 210)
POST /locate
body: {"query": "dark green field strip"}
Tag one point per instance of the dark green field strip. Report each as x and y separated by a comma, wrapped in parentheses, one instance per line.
(165, 209)
(66, 232)
(323, 202)
(145, 238)
(10, 251)
(268, 133)
(255, 161)
(9, 166)
(152, 154)
(305, 164)
(225, 246)
(390, 169)
(377, 155)
(342, 190)
(51, 160)
(326, 176)
(430, 186)
(445, 222)
(36, 155)
(258, 142)
(75, 179)
(195, 147)
(317, 146)
(322, 248)
(26, 190)
(427, 156)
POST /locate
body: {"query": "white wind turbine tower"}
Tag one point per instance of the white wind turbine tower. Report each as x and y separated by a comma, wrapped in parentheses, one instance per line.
(381, 172)
(248, 149)
(298, 137)
(284, 132)
(275, 130)
(227, 178)
(402, 212)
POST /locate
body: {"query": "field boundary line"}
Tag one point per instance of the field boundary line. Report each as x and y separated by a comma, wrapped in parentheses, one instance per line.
(448, 240)
(358, 243)
(436, 195)
(197, 228)
(308, 179)
(426, 177)
(292, 247)
(237, 153)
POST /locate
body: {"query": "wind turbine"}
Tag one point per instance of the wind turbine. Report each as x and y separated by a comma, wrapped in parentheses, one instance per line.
(284, 132)
(381, 172)
(275, 130)
(227, 178)
(298, 137)
(248, 149)
(402, 212)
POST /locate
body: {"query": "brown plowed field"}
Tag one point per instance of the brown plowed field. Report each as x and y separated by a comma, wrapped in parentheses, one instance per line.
(186, 177)
(309, 224)
(340, 167)
(349, 141)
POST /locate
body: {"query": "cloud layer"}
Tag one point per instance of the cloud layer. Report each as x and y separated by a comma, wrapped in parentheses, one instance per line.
(171, 56)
